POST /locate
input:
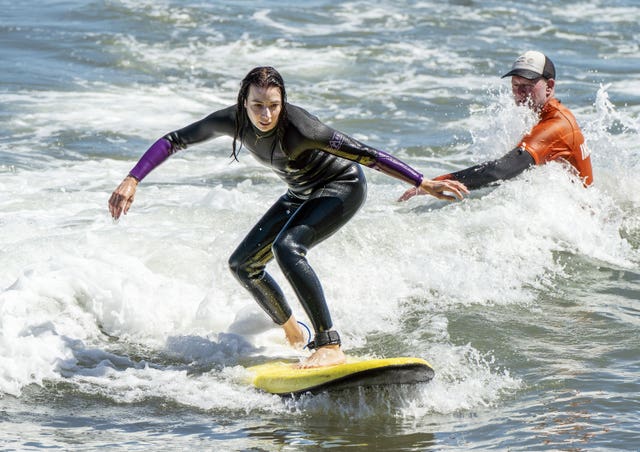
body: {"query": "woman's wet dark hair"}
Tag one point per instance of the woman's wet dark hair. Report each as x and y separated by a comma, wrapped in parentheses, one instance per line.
(262, 77)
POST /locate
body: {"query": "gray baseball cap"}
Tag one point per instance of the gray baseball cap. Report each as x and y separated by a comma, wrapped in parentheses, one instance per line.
(532, 65)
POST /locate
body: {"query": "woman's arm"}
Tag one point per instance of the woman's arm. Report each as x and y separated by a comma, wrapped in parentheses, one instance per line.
(219, 123)
(317, 135)
(483, 174)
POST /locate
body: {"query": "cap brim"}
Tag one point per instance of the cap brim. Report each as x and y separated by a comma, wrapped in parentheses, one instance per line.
(523, 73)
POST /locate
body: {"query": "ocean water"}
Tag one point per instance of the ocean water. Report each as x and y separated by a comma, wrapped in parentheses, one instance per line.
(134, 336)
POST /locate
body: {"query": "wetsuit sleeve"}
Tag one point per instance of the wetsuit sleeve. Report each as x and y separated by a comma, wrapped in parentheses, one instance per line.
(317, 135)
(351, 149)
(155, 155)
(506, 167)
(217, 124)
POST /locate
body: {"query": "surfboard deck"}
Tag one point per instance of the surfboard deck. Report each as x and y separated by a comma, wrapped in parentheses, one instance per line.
(282, 378)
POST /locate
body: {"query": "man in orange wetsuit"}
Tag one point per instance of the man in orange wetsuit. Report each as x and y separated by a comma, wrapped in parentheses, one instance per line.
(556, 136)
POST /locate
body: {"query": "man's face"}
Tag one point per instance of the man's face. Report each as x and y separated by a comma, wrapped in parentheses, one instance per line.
(532, 93)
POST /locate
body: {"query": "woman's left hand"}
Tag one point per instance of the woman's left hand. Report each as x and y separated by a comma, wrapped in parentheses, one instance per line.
(437, 188)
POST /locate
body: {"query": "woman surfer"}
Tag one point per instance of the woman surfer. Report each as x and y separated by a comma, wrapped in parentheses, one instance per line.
(325, 189)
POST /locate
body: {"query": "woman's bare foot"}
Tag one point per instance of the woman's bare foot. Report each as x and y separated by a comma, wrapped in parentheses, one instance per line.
(329, 355)
(294, 334)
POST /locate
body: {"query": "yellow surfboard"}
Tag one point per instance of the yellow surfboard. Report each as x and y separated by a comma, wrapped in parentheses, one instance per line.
(279, 377)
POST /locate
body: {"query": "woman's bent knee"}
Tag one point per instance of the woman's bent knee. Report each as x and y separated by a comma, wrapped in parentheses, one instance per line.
(238, 267)
(290, 247)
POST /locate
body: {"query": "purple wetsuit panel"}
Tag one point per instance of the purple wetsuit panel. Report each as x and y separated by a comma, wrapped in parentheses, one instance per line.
(155, 155)
(391, 166)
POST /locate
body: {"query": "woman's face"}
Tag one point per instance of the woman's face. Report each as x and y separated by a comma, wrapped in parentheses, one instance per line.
(263, 106)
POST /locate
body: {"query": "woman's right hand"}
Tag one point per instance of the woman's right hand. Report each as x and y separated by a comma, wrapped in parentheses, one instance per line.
(122, 197)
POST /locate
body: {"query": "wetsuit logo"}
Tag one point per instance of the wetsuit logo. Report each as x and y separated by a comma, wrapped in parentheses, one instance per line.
(585, 151)
(336, 140)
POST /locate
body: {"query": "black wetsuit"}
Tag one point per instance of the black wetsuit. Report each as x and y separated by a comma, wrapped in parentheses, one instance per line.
(325, 189)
